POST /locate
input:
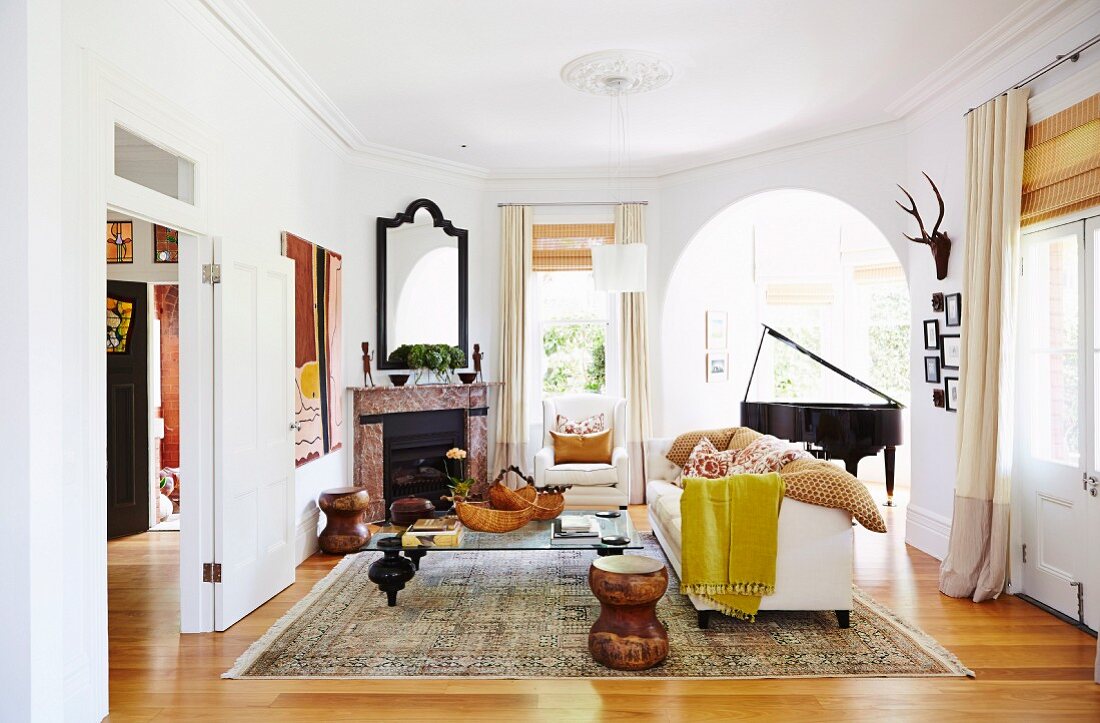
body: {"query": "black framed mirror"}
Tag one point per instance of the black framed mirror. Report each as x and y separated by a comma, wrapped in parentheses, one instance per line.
(423, 293)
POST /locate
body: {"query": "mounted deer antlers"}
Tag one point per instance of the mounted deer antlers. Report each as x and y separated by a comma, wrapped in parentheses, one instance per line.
(937, 241)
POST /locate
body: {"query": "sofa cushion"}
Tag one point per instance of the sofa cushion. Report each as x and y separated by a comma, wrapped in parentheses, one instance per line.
(743, 437)
(681, 447)
(766, 454)
(707, 462)
(582, 474)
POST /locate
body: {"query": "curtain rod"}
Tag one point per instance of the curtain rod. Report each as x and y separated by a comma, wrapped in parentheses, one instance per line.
(575, 203)
(1073, 56)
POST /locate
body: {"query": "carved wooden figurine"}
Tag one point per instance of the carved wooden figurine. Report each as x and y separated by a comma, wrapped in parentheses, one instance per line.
(477, 356)
(937, 240)
(368, 357)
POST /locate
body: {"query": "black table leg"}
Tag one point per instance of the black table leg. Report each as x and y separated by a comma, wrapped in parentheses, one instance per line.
(605, 551)
(390, 573)
(416, 556)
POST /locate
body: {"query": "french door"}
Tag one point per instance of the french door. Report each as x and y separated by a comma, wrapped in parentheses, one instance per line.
(1057, 435)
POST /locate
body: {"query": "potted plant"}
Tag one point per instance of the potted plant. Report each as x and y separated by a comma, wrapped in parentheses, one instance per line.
(439, 359)
(461, 485)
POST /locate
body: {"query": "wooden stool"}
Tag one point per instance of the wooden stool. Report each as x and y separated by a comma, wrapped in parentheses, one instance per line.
(628, 635)
(345, 527)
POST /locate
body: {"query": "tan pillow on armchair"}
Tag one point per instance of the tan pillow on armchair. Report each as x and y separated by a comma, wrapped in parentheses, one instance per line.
(582, 448)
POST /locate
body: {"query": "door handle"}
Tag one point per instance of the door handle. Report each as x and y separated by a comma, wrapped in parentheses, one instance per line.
(1089, 484)
(296, 426)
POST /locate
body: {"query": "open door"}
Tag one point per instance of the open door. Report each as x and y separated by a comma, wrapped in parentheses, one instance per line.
(254, 438)
(127, 409)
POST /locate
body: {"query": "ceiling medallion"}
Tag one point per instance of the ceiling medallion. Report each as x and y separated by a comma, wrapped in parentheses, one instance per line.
(617, 72)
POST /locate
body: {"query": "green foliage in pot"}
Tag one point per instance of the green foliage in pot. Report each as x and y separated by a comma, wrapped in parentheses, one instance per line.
(442, 359)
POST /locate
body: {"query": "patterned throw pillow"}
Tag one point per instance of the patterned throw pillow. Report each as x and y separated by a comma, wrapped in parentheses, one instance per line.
(683, 445)
(743, 437)
(817, 482)
(766, 454)
(592, 425)
(707, 462)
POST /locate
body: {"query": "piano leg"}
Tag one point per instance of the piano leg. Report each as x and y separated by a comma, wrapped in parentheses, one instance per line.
(888, 458)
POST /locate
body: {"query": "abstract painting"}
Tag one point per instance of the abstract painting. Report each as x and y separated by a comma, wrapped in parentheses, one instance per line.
(119, 314)
(120, 242)
(166, 245)
(318, 343)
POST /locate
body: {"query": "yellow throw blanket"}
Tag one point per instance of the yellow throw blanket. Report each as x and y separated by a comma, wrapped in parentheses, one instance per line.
(730, 540)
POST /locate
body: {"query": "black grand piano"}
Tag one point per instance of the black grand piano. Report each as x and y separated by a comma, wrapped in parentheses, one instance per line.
(842, 431)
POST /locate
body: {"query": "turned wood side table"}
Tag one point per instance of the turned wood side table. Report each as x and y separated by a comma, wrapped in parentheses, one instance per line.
(345, 519)
(628, 635)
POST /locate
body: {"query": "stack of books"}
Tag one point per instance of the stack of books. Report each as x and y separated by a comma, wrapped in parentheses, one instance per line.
(434, 532)
(575, 528)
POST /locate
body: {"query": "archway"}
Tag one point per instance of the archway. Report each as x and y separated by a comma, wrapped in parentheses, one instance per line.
(808, 265)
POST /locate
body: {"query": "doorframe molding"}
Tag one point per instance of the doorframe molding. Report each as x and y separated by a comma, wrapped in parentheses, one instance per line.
(111, 96)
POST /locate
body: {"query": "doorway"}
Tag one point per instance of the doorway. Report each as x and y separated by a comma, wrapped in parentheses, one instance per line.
(1056, 500)
(142, 348)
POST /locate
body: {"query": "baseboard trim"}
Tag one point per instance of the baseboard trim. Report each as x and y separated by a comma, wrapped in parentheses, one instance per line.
(927, 531)
(305, 540)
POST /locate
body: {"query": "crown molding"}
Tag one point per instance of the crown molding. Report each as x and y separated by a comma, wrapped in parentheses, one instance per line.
(962, 81)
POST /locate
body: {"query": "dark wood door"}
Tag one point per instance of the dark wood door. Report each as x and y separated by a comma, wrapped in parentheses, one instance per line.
(127, 409)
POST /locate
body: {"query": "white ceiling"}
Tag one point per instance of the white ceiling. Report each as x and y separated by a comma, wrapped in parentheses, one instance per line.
(430, 75)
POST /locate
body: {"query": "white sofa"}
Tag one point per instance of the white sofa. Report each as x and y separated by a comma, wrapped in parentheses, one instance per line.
(593, 485)
(814, 563)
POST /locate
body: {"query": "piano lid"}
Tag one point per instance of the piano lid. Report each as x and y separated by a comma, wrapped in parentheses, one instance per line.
(798, 347)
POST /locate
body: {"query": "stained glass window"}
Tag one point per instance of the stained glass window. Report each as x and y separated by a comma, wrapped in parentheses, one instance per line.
(120, 242)
(166, 245)
(119, 313)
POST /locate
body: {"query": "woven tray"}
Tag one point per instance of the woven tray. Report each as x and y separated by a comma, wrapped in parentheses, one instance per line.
(479, 518)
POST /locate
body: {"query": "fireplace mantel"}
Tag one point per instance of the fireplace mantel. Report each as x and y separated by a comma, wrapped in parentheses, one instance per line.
(372, 404)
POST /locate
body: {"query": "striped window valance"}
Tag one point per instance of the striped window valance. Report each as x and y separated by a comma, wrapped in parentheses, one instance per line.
(1062, 163)
(799, 294)
(878, 273)
(567, 246)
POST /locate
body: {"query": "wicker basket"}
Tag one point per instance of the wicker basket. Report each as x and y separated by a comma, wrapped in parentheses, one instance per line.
(505, 498)
(548, 505)
(483, 519)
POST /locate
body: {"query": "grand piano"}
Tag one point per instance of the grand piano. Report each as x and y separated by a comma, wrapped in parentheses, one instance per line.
(847, 431)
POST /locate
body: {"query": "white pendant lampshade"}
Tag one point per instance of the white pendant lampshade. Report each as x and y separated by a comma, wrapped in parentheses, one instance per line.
(619, 267)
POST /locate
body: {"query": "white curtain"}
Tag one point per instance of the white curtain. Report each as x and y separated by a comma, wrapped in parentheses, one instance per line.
(977, 556)
(511, 410)
(634, 354)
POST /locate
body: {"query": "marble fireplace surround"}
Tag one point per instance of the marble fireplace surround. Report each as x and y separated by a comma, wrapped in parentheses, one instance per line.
(372, 404)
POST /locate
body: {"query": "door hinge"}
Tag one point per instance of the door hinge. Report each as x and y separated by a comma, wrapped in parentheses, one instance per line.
(1080, 601)
(211, 572)
(1025, 552)
(211, 273)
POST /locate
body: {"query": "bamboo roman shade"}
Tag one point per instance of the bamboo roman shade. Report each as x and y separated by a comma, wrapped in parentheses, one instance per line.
(567, 246)
(1062, 163)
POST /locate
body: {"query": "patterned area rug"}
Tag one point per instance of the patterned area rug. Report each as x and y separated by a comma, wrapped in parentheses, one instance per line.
(527, 615)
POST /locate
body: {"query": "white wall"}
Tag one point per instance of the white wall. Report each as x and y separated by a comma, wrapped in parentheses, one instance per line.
(936, 143)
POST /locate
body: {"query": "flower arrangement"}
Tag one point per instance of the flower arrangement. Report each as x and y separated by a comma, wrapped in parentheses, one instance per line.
(460, 484)
(440, 359)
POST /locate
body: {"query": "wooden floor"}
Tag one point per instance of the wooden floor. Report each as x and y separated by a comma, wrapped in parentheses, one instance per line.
(1029, 665)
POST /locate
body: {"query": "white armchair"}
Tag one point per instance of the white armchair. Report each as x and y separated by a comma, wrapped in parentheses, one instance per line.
(594, 484)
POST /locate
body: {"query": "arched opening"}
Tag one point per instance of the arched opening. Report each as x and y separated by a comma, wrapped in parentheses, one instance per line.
(808, 265)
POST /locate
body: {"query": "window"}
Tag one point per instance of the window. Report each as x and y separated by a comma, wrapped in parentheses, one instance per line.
(574, 321)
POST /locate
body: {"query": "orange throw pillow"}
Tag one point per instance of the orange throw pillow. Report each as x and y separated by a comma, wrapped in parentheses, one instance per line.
(582, 448)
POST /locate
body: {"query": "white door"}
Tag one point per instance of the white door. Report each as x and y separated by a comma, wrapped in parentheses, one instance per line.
(1052, 420)
(254, 441)
(1090, 484)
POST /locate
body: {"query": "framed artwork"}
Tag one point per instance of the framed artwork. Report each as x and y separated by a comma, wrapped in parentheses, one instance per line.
(932, 369)
(318, 340)
(951, 353)
(937, 301)
(953, 309)
(119, 317)
(717, 334)
(718, 366)
(951, 394)
(166, 245)
(120, 242)
(931, 334)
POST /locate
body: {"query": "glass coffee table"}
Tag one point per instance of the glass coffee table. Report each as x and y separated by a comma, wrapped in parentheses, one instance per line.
(399, 563)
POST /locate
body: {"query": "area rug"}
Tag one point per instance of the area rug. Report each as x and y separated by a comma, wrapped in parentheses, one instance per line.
(527, 615)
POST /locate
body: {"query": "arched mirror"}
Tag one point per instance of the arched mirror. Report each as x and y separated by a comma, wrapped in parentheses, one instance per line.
(422, 281)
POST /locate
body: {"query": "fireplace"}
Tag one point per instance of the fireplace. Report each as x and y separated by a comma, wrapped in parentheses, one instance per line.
(414, 448)
(403, 433)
